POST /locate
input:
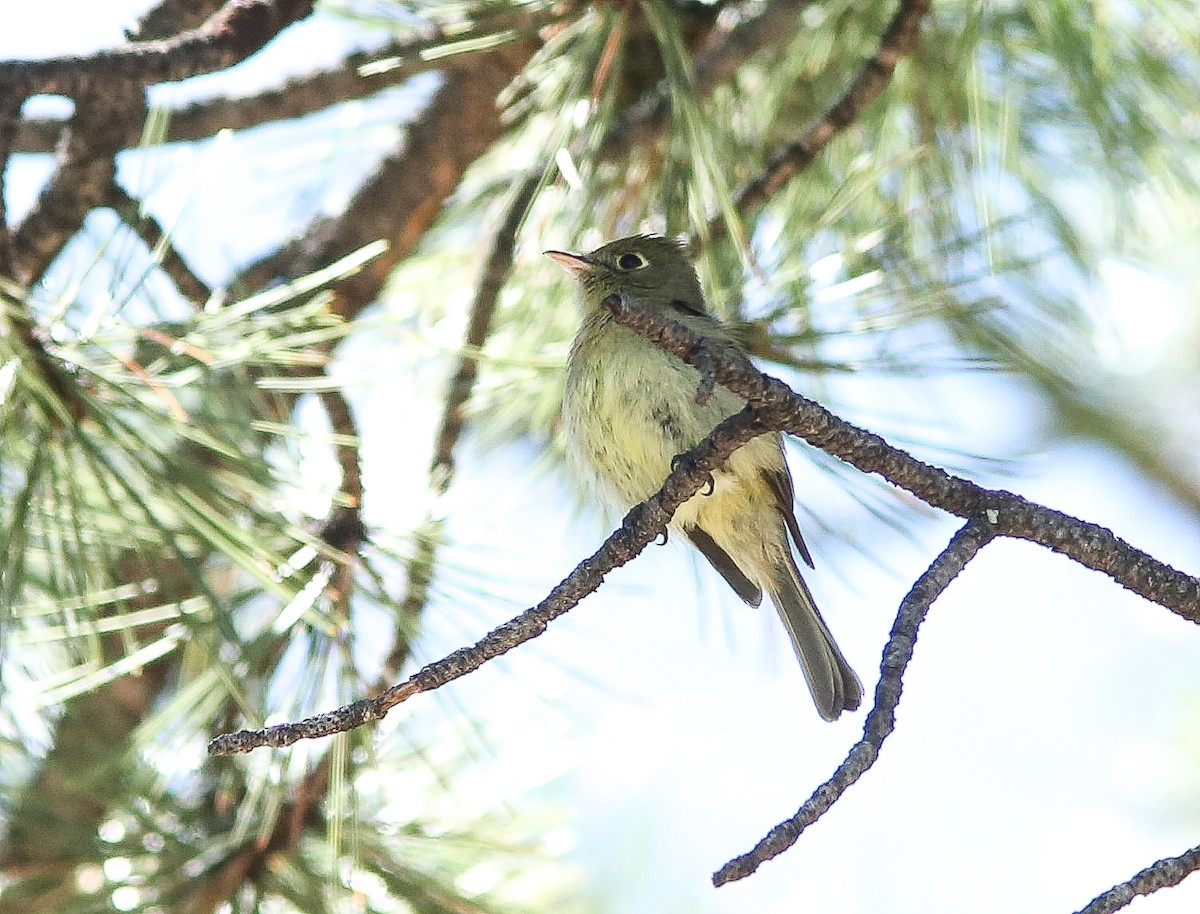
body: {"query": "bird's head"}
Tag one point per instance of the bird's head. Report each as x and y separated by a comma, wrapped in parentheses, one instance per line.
(650, 268)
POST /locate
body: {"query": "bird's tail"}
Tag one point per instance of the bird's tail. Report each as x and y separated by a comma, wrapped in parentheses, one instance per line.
(835, 687)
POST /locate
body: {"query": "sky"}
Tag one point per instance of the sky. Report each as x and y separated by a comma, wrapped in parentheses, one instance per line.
(1044, 747)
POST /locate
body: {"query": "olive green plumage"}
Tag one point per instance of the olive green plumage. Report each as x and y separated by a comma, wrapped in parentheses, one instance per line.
(630, 408)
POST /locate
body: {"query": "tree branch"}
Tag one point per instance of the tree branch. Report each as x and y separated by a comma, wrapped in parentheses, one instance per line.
(341, 419)
(10, 123)
(305, 94)
(1159, 875)
(771, 405)
(156, 239)
(880, 723)
(343, 528)
(406, 192)
(495, 274)
(236, 31)
(101, 126)
(781, 408)
(169, 17)
(726, 50)
(419, 568)
(899, 39)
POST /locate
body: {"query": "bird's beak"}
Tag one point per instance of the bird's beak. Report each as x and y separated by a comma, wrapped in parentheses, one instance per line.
(576, 264)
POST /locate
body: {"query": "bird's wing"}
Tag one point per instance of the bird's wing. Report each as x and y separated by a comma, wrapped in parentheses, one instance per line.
(720, 560)
(780, 482)
(683, 307)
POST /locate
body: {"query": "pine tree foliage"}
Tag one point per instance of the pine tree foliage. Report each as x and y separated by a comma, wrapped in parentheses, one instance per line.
(183, 547)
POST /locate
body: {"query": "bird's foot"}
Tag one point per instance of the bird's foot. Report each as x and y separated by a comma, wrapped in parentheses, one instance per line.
(687, 462)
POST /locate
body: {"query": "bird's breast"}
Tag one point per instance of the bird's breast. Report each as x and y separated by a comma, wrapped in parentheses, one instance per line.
(630, 408)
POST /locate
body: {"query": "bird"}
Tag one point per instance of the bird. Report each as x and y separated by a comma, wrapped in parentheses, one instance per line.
(629, 409)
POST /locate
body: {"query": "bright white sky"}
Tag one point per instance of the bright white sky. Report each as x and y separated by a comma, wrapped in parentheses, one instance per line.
(1046, 742)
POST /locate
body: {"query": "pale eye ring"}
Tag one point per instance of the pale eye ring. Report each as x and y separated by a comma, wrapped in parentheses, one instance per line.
(632, 261)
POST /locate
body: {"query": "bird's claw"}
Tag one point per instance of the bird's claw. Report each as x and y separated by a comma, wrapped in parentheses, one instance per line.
(684, 461)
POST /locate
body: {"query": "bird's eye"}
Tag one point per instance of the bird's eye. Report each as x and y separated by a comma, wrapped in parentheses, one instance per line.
(632, 262)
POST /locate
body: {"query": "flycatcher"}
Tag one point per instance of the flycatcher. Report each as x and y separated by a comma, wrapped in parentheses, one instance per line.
(630, 408)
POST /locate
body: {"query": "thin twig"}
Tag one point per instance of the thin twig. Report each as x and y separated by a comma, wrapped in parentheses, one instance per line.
(460, 124)
(726, 49)
(495, 273)
(898, 40)
(343, 528)
(781, 408)
(880, 723)
(158, 241)
(1159, 875)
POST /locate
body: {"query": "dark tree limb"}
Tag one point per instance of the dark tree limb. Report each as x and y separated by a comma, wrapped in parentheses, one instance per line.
(1159, 875)
(169, 17)
(103, 124)
(881, 721)
(236, 31)
(308, 93)
(343, 529)
(38, 135)
(296, 97)
(10, 124)
(341, 420)
(406, 192)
